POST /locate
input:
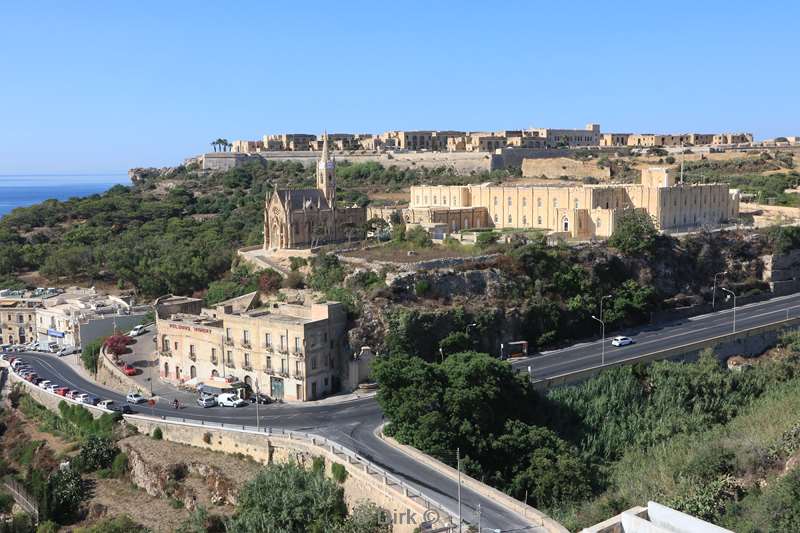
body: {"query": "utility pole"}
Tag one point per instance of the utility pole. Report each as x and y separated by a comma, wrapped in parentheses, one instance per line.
(714, 291)
(603, 348)
(458, 463)
(479, 518)
(601, 304)
(734, 306)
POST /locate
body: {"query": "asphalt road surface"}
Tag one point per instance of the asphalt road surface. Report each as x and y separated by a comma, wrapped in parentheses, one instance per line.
(353, 423)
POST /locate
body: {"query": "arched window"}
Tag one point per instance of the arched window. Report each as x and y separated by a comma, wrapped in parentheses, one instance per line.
(565, 223)
(539, 221)
(509, 218)
(192, 371)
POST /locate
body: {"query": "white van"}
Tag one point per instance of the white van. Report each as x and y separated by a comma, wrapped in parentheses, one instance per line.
(229, 399)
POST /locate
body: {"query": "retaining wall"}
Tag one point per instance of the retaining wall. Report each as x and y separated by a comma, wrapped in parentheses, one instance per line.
(364, 480)
(51, 400)
(483, 489)
(111, 376)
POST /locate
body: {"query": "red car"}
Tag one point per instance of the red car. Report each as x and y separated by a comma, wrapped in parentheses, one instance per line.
(129, 370)
(62, 391)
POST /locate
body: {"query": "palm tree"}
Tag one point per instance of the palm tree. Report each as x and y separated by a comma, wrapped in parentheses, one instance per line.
(226, 145)
(214, 144)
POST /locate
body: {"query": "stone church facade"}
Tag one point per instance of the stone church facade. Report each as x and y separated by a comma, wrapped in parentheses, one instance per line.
(306, 218)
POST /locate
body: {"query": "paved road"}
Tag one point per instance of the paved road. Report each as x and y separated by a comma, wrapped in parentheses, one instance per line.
(352, 424)
(656, 338)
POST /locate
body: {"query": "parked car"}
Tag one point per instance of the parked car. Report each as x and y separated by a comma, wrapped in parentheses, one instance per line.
(16, 363)
(90, 400)
(125, 409)
(260, 398)
(105, 404)
(129, 370)
(230, 400)
(77, 396)
(621, 341)
(206, 401)
(62, 391)
(134, 398)
(36, 380)
(53, 387)
(137, 330)
(44, 384)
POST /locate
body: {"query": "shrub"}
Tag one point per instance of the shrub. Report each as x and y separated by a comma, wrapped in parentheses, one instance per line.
(117, 344)
(269, 281)
(486, 239)
(6, 502)
(157, 435)
(634, 233)
(207, 437)
(119, 467)
(295, 263)
(419, 237)
(422, 287)
(97, 452)
(47, 527)
(318, 465)
(339, 473)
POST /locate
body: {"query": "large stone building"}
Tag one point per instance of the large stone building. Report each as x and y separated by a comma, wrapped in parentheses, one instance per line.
(304, 218)
(295, 352)
(648, 140)
(572, 211)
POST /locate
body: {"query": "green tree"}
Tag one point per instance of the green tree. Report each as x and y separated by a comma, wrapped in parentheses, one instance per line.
(90, 355)
(287, 497)
(97, 452)
(634, 233)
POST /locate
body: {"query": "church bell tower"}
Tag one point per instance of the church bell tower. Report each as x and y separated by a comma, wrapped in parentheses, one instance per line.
(326, 173)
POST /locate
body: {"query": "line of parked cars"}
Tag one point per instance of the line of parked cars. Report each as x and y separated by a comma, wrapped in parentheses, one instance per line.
(36, 346)
(26, 372)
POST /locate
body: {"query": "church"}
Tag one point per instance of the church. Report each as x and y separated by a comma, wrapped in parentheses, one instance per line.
(306, 218)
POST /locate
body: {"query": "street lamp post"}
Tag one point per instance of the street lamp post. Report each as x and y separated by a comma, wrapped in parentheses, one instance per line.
(734, 306)
(714, 291)
(603, 347)
(601, 304)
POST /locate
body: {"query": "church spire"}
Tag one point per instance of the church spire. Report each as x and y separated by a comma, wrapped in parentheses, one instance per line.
(325, 145)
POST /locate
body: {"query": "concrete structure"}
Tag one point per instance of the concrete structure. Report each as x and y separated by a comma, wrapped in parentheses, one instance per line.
(649, 140)
(590, 136)
(76, 320)
(247, 147)
(571, 211)
(304, 218)
(655, 518)
(287, 351)
(18, 320)
(556, 167)
(289, 141)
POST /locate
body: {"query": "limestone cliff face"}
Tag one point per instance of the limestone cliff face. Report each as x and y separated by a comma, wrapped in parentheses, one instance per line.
(189, 482)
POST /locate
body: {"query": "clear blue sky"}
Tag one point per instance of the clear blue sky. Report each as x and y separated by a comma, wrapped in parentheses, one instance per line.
(104, 86)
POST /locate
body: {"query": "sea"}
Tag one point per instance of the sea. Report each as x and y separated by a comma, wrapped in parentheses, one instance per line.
(20, 190)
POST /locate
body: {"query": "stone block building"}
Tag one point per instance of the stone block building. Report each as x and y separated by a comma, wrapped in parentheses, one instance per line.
(572, 211)
(288, 351)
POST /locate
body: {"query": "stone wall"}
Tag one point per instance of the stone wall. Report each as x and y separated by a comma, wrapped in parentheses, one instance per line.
(111, 376)
(554, 168)
(51, 400)
(782, 272)
(364, 481)
(431, 264)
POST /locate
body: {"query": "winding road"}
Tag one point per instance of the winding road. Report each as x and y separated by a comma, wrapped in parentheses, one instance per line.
(353, 423)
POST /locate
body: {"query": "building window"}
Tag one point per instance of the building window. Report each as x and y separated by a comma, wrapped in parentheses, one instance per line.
(192, 353)
(434, 199)
(228, 334)
(495, 200)
(539, 221)
(555, 203)
(577, 204)
(283, 342)
(524, 220)
(213, 355)
(509, 201)
(269, 363)
(524, 202)
(495, 218)
(229, 358)
(509, 218)
(298, 345)
(538, 202)
(246, 337)
(247, 360)
(268, 340)
(597, 223)
(314, 363)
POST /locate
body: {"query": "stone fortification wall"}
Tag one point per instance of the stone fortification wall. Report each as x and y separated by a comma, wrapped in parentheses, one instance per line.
(554, 168)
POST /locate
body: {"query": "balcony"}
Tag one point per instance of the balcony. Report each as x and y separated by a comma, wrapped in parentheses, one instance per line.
(299, 354)
(229, 364)
(265, 346)
(164, 353)
(228, 341)
(193, 356)
(298, 375)
(248, 367)
(283, 374)
(246, 344)
(269, 371)
(214, 360)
